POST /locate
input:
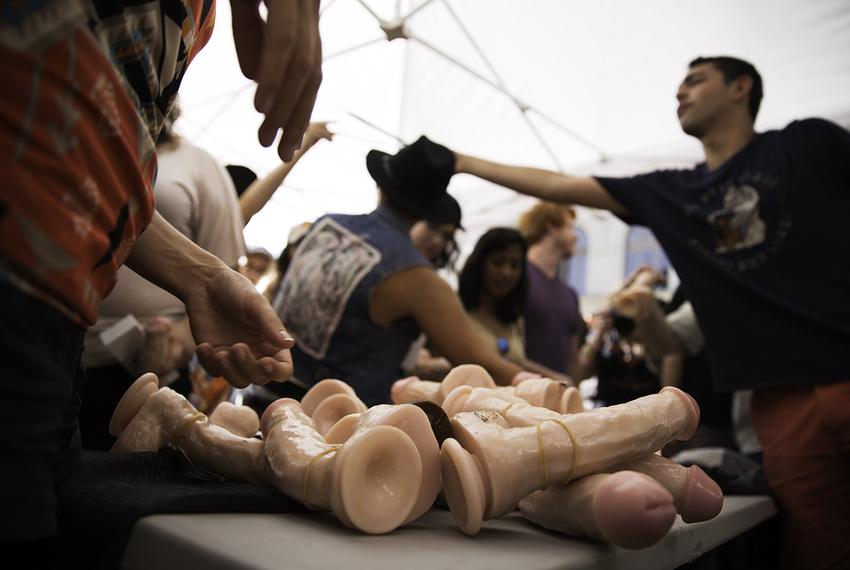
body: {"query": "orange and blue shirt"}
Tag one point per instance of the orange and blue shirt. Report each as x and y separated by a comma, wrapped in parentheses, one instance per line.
(86, 88)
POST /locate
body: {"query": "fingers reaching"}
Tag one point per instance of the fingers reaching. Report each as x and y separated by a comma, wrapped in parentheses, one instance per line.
(248, 33)
(241, 367)
(280, 43)
(288, 67)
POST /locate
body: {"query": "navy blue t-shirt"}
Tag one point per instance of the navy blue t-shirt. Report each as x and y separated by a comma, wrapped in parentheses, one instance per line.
(762, 244)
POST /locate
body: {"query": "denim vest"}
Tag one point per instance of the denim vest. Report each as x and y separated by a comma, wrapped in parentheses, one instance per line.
(324, 302)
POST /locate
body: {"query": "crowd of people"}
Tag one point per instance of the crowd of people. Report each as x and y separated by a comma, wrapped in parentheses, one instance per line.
(98, 285)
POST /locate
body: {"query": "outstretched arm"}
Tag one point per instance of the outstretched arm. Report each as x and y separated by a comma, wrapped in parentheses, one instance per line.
(238, 332)
(260, 191)
(540, 183)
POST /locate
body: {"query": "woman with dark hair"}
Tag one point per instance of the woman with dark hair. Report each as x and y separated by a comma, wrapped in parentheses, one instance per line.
(493, 287)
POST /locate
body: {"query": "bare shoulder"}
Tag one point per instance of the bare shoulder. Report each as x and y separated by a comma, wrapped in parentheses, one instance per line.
(402, 293)
(412, 281)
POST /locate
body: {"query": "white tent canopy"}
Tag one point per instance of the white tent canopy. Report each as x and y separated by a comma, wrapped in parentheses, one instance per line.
(579, 86)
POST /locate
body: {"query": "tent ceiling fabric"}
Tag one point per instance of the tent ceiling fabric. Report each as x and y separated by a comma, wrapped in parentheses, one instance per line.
(599, 78)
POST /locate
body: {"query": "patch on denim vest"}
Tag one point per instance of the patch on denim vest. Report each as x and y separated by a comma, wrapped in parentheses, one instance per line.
(330, 263)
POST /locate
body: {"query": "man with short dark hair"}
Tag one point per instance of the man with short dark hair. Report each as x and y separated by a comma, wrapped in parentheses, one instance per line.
(755, 234)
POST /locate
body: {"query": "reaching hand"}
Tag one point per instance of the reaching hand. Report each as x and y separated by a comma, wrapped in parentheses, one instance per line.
(238, 333)
(317, 132)
(644, 275)
(284, 55)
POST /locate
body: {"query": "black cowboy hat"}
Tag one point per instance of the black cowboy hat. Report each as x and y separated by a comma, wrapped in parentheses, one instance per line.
(416, 179)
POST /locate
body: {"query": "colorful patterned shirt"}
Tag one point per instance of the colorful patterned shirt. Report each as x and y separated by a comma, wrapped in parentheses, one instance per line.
(86, 87)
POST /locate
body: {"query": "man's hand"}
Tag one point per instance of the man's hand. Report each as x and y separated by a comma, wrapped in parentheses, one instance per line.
(238, 333)
(284, 56)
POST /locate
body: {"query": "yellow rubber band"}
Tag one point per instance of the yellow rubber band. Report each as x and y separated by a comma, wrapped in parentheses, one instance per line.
(541, 454)
(330, 449)
(573, 441)
(184, 427)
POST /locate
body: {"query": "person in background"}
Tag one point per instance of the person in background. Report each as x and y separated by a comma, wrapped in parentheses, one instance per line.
(754, 233)
(269, 282)
(79, 123)
(688, 368)
(358, 293)
(673, 338)
(437, 243)
(493, 287)
(614, 352)
(553, 320)
(242, 177)
(255, 264)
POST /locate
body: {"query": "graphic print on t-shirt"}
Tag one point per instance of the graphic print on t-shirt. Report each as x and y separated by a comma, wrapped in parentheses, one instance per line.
(330, 263)
(748, 217)
(738, 225)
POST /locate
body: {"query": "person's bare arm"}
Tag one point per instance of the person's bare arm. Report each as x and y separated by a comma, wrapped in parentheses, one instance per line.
(261, 190)
(540, 183)
(421, 294)
(240, 337)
